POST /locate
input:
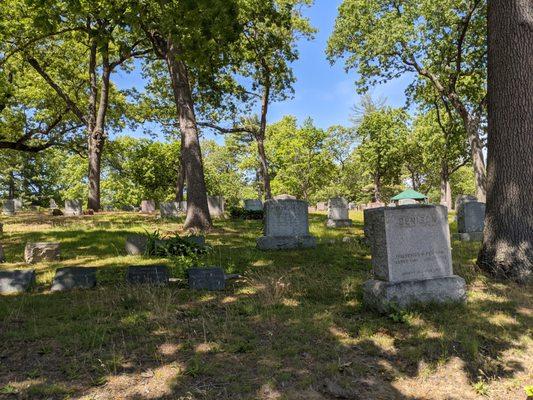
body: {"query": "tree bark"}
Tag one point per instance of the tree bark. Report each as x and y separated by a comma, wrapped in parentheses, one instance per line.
(377, 188)
(260, 141)
(507, 249)
(445, 188)
(180, 181)
(11, 187)
(476, 152)
(197, 209)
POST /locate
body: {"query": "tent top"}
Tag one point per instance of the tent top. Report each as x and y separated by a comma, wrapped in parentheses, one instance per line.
(409, 194)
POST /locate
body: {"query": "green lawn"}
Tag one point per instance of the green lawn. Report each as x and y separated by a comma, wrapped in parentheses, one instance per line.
(293, 327)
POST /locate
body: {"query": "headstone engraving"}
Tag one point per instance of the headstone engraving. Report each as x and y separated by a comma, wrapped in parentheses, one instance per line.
(41, 251)
(338, 213)
(148, 206)
(206, 278)
(73, 207)
(169, 210)
(253, 205)
(471, 220)
(154, 275)
(8, 207)
(16, 281)
(74, 278)
(216, 205)
(286, 225)
(136, 245)
(411, 258)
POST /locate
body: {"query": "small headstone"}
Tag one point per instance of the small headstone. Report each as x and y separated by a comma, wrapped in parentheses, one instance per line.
(286, 226)
(198, 240)
(154, 275)
(284, 197)
(471, 220)
(148, 206)
(169, 210)
(338, 213)
(16, 281)
(352, 206)
(53, 204)
(73, 207)
(136, 245)
(18, 204)
(8, 207)
(253, 205)
(206, 278)
(463, 198)
(127, 208)
(321, 206)
(74, 278)
(411, 258)
(216, 205)
(41, 251)
(183, 206)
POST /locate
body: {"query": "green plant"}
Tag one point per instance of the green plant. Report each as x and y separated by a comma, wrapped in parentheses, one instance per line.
(529, 391)
(165, 246)
(481, 388)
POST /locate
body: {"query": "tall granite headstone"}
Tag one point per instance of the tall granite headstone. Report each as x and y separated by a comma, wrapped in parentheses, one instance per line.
(8, 207)
(471, 220)
(169, 210)
(338, 213)
(147, 206)
(286, 225)
(216, 205)
(253, 205)
(73, 207)
(16, 281)
(411, 258)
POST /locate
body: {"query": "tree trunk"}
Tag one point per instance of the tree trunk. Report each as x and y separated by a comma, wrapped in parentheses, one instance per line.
(445, 188)
(377, 188)
(197, 209)
(261, 138)
(180, 181)
(11, 187)
(507, 249)
(476, 150)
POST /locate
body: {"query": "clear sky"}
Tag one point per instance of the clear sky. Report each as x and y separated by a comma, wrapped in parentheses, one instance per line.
(324, 92)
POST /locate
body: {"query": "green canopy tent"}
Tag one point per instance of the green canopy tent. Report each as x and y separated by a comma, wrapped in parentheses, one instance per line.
(410, 194)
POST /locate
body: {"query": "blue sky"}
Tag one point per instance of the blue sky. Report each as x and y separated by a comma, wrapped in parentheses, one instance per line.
(324, 92)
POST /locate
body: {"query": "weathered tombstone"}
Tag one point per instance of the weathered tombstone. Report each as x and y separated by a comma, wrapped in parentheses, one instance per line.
(154, 275)
(73, 207)
(8, 207)
(286, 226)
(405, 202)
(463, 198)
(284, 197)
(253, 205)
(136, 244)
(216, 205)
(148, 206)
(53, 204)
(41, 251)
(16, 281)
(206, 278)
(2, 254)
(18, 204)
(74, 278)
(411, 258)
(352, 206)
(311, 209)
(321, 206)
(368, 214)
(471, 220)
(169, 210)
(197, 240)
(338, 213)
(183, 206)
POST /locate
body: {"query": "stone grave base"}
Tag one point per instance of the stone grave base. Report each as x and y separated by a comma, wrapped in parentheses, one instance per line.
(385, 296)
(285, 242)
(338, 223)
(469, 236)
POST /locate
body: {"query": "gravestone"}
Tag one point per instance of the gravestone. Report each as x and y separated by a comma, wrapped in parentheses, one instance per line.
(148, 206)
(18, 204)
(411, 258)
(127, 208)
(8, 207)
(286, 226)
(154, 275)
(206, 278)
(136, 245)
(73, 207)
(338, 213)
(471, 220)
(253, 205)
(74, 278)
(169, 210)
(216, 205)
(368, 214)
(16, 281)
(183, 206)
(404, 202)
(53, 204)
(41, 251)
(197, 240)
(463, 198)
(321, 206)
(284, 197)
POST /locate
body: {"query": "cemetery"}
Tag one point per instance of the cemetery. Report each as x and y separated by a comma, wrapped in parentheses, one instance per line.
(266, 200)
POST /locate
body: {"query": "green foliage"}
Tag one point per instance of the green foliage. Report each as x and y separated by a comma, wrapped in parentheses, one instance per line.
(172, 246)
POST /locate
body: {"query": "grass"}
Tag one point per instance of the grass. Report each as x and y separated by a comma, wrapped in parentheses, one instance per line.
(293, 327)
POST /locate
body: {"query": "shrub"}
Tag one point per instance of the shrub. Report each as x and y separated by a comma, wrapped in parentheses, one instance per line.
(241, 213)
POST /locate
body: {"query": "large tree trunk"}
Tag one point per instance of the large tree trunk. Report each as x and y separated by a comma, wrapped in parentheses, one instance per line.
(476, 150)
(260, 141)
(377, 188)
(180, 181)
(197, 209)
(508, 236)
(445, 188)
(11, 186)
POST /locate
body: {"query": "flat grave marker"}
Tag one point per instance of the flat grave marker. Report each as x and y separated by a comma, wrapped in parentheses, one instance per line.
(154, 275)
(206, 278)
(68, 278)
(16, 281)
